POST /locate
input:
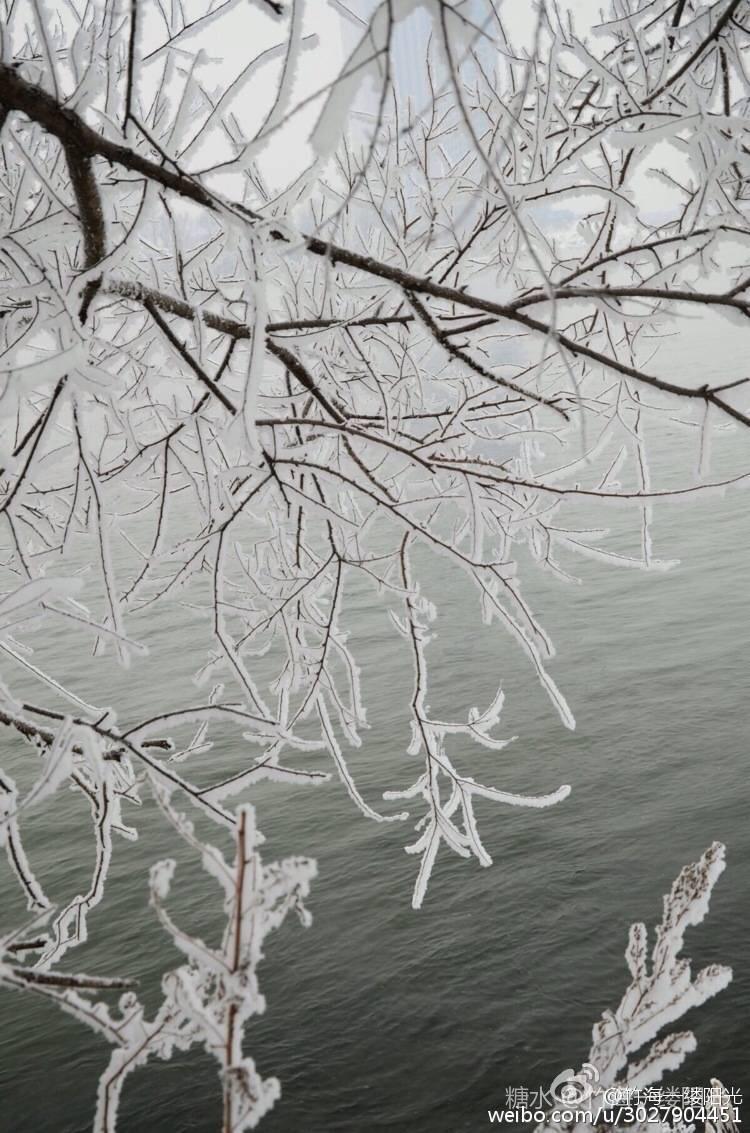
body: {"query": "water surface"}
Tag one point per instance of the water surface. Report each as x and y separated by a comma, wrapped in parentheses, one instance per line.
(381, 1018)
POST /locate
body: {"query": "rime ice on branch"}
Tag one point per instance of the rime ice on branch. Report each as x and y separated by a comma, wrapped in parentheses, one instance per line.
(207, 999)
(659, 994)
(252, 400)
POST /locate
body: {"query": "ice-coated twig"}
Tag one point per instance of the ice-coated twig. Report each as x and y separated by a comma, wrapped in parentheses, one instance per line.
(209, 998)
(259, 408)
(445, 791)
(629, 1050)
(663, 988)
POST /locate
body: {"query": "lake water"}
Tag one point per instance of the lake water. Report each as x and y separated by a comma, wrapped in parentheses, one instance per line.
(380, 1018)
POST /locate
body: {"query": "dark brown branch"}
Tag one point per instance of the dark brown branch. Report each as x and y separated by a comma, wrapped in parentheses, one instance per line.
(131, 62)
(30, 432)
(80, 983)
(456, 352)
(634, 249)
(187, 357)
(38, 433)
(412, 283)
(349, 429)
(120, 742)
(613, 291)
(233, 327)
(676, 18)
(305, 379)
(721, 23)
(18, 94)
(91, 215)
(36, 735)
(322, 324)
(89, 203)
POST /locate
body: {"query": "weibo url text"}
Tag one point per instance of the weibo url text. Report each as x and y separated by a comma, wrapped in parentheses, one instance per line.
(617, 1115)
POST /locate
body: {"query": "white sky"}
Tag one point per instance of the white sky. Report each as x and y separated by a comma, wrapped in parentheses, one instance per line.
(245, 29)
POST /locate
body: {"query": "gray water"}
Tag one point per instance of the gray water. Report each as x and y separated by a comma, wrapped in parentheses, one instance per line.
(380, 1018)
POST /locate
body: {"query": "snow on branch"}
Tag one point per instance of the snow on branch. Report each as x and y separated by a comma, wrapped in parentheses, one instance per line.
(280, 332)
(446, 792)
(208, 999)
(662, 990)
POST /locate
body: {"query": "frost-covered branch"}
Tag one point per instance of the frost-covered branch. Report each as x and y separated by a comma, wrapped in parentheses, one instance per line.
(209, 998)
(238, 390)
(662, 990)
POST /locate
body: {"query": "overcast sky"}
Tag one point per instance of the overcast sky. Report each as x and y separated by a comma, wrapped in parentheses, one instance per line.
(243, 31)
